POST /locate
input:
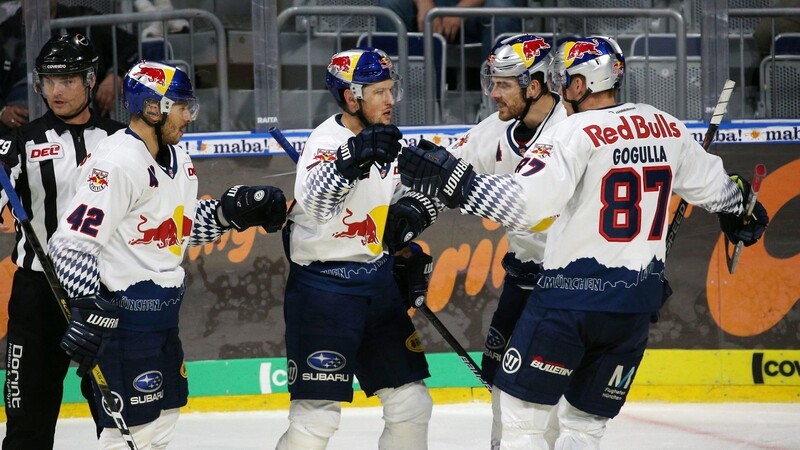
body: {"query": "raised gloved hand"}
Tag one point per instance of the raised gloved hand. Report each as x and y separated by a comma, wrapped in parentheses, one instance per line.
(243, 207)
(407, 218)
(430, 169)
(412, 271)
(738, 228)
(93, 321)
(375, 143)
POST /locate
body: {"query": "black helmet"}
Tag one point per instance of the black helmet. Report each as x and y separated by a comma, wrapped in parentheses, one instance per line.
(67, 54)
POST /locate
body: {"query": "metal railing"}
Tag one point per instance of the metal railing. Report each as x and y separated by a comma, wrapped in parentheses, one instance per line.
(764, 13)
(680, 48)
(402, 39)
(160, 16)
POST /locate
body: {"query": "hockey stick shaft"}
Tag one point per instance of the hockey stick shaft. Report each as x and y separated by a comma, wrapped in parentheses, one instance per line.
(470, 363)
(716, 119)
(284, 143)
(758, 176)
(61, 297)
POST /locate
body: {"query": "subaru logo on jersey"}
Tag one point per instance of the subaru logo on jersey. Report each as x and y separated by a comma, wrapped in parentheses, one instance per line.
(495, 339)
(511, 360)
(148, 382)
(44, 152)
(326, 361)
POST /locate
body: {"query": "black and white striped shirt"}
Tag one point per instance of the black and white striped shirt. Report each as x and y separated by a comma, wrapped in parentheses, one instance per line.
(49, 152)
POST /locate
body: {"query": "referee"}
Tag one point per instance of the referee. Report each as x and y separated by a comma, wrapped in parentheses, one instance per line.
(43, 157)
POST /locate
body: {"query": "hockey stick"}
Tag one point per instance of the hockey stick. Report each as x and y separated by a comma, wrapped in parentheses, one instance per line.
(716, 118)
(758, 176)
(61, 297)
(470, 363)
(284, 143)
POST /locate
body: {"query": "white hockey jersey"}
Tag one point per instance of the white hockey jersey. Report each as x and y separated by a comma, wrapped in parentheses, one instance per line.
(609, 175)
(135, 217)
(490, 147)
(354, 231)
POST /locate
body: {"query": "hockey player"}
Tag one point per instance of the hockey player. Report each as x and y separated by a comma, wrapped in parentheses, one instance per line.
(514, 76)
(603, 177)
(344, 313)
(119, 247)
(43, 157)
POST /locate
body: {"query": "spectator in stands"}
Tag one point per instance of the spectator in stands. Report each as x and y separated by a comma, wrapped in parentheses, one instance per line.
(13, 68)
(783, 24)
(475, 29)
(157, 28)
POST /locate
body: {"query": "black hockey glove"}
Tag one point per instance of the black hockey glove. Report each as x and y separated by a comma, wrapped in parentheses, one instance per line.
(738, 228)
(430, 169)
(247, 206)
(412, 271)
(375, 143)
(407, 219)
(93, 321)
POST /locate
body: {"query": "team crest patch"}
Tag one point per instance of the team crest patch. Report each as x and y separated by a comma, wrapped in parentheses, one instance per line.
(98, 181)
(462, 140)
(414, 343)
(321, 156)
(541, 150)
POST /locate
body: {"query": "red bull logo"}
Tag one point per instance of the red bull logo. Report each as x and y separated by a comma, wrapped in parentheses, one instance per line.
(98, 180)
(385, 62)
(581, 48)
(542, 150)
(365, 229)
(340, 63)
(164, 234)
(531, 49)
(153, 74)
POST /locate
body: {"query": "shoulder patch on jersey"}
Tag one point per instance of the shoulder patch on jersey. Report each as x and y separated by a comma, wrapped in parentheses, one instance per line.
(98, 180)
(44, 152)
(541, 150)
(462, 140)
(322, 155)
(191, 172)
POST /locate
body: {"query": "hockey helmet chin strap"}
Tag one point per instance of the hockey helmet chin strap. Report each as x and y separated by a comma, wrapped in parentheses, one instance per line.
(575, 103)
(528, 101)
(157, 126)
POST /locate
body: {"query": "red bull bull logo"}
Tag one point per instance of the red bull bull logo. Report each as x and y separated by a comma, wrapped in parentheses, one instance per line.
(163, 235)
(364, 229)
(542, 150)
(531, 49)
(153, 74)
(340, 63)
(581, 48)
(98, 180)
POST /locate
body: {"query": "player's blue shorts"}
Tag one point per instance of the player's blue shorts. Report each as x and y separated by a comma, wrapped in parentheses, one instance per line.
(330, 337)
(145, 370)
(590, 357)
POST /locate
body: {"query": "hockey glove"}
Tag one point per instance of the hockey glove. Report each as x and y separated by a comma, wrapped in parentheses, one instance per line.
(738, 228)
(407, 219)
(412, 271)
(375, 143)
(430, 169)
(247, 206)
(93, 321)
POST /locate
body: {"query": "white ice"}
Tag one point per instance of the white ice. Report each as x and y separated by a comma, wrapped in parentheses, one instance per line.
(640, 426)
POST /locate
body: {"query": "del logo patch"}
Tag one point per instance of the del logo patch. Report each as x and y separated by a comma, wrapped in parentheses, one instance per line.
(43, 152)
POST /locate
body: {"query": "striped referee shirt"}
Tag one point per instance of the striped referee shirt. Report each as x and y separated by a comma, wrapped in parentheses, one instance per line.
(49, 152)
